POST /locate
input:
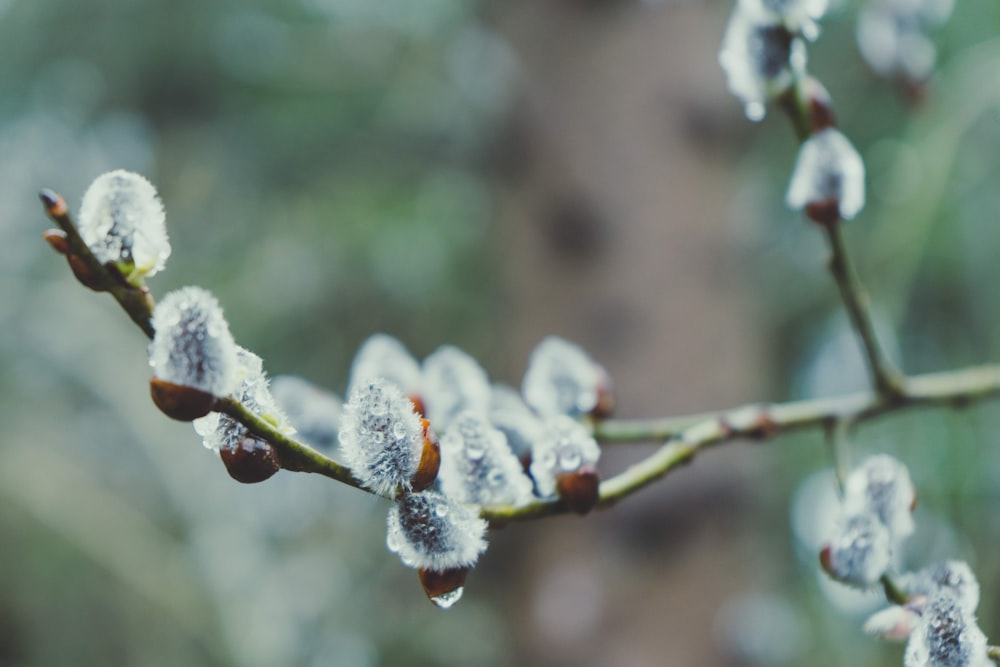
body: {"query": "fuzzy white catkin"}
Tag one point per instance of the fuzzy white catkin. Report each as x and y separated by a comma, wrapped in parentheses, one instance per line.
(122, 220)
(192, 346)
(565, 448)
(946, 636)
(759, 57)
(828, 168)
(953, 576)
(860, 550)
(382, 356)
(381, 437)
(881, 485)
(477, 465)
(519, 424)
(562, 379)
(453, 382)
(431, 531)
(220, 431)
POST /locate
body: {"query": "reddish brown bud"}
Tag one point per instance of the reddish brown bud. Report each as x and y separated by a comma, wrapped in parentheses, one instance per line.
(825, 212)
(819, 106)
(579, 490)
(57, 239)
(826, 560)
(913, 503)
(54, 204)
(179, 402)
(606, 400)
(84, 274)
(443, 588)
(253, 460)
(430, 460)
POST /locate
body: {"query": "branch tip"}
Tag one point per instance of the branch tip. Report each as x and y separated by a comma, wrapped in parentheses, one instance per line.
(54, 203)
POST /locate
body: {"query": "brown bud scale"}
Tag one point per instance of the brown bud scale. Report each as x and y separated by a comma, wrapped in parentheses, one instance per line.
(179, 402)
(580, 490)
(437, 584)
(252, 460)
(430, 461)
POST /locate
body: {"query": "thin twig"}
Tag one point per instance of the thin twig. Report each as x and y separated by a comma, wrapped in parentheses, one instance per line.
(950, 389)
(887, 380)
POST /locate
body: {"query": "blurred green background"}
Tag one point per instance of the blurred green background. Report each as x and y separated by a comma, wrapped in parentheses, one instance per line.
(482, 174)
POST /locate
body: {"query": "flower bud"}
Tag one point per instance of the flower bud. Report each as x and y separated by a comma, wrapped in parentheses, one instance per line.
(382, 356)
(122, 222)
(252, 460)
(430, 460)
(439, 537)
(478, 467)
(566, 450)
(179, 402)
(859, 552)
(760, 57)
(881, 485)
(453, 382)
(191, 348)
(580, 490)
(952, 576)
(946, 636)
(384, 441)
(57, 239)
(829, 178)
(248, 458)
(563, 380)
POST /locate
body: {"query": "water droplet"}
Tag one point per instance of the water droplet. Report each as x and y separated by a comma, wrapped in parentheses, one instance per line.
(754, 111)
(441, 510)
(399, 430)
(495, 477)
(448, 600)
(392, 541)
(378, 437)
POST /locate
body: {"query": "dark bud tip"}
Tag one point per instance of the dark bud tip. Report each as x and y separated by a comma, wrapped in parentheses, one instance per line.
(825, 212)
(57, 239)
(418, 405)
(606, 400)
(443, 588)
(826, 560)
(84, 274)
(54, 204)
(252, 460)
(819, 106)
(179, 402)
(580, 490)
(913, 503)
(430, 461)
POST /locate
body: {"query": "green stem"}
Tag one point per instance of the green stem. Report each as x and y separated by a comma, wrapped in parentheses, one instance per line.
(952, 389)
(888, 381)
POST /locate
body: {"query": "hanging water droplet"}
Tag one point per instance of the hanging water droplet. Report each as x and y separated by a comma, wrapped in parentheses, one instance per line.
(441, 510)
(754, 111)
(448, 600)
(392, 541)
(569, 458)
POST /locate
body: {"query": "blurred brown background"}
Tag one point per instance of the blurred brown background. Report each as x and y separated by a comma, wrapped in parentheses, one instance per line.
(482, 174)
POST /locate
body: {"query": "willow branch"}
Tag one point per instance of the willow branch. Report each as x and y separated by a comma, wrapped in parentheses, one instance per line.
(953, 389)
(887, 379)
(139, 303)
